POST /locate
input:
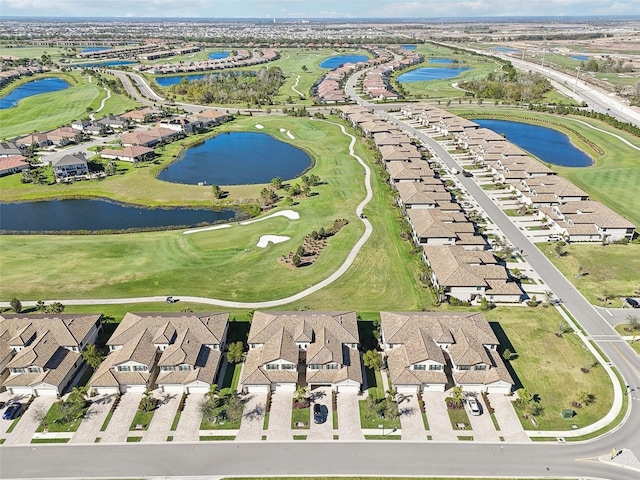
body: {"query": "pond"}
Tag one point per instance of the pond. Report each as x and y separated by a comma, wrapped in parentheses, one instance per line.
(95, 49)
(426, 74)
(168, 81)
(237, 158)
(36, 87)
(548, 145)
(505, 49)
(441, 60)
(218, 55)
(582, 58)
(95, 215)
(409, 47)
(335, 62)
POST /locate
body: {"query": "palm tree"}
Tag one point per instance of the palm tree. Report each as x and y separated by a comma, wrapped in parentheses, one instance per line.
(78, 395)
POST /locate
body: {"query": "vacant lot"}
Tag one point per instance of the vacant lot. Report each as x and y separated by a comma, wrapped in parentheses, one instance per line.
(598, 271)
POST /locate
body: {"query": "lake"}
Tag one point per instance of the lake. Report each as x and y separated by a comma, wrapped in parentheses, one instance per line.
(218, 55)
(582, 58)
(35, 87)
(505, 49)
(94, 215)
(409, 47)
(95, 49)
(426, 74)
(335, 62)
(441, 60)
(547, 144)
(238, 158)
(168, 81)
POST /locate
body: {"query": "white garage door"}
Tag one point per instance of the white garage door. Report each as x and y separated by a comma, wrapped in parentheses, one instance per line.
(20, 390)
(257, 388)
(105, 390)
(501, 390)
(347, 388)
(172, 388)
(407, 390)
(45, 391)
(434, 387)
(198, 389)
(285, 387)
(133, 388)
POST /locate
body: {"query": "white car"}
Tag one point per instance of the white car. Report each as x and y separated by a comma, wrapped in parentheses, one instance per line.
(554, 238)
(473, 406)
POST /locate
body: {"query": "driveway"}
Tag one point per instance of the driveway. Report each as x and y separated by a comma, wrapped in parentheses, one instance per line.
(411, 419)
(349, 417)
(252, 418)
(6, 398)
(190, 419)
(439, 424)
(160, 427)
(28, 424)
(89, 429)
(280, 417)
(321, 431)
(483, 428)
(510, 426)
(118, 428)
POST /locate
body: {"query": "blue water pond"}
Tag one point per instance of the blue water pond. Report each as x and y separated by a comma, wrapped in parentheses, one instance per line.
(505, 49)
(95, 49)
(218, 55)
(409, 47)
(548, 145)
(441, 60)
(582, 58)
(426, 74)
(168, 81)
(334, 62)
(95, 215)
(36, 87)
(238, 158)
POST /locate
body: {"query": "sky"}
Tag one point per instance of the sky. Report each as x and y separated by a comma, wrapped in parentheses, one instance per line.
(315, 8)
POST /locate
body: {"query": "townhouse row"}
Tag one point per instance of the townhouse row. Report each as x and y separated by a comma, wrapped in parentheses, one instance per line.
(183, 352)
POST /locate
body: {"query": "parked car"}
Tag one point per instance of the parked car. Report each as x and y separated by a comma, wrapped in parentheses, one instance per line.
(473, 406)
(632, 302)
(554, 238)
(467, 173)
(466, 205)
(12, 411)
(171, 300)
(318, 414)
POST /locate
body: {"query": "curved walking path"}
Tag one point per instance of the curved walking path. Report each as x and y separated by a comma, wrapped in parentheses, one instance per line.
(295, 89)
(102, 103)
(271, 303)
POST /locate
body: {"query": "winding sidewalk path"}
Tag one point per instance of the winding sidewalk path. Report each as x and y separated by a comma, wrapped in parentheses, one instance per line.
(266, 304)
(295, 89)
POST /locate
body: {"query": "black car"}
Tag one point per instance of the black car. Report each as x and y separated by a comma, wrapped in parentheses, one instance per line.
(12, 411)
(171, 300)
(318, 415)
(633, 303)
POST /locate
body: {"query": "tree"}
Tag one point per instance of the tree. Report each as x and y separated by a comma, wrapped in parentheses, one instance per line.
(70, 411)
(208, 409)
(564, 327)
(457, 395)
(634, 323)
(55, 307)
(559, 248)
(372, 359)
(92, 355)
(16, 305)
(276, 183)
(484, 304)
(300, 394)
(370, 406)
(234, 406)
(586, 398)
(389, 409)
(508, 354)
(78, 394)
(217, 191)
(235, 353)
(147, 403)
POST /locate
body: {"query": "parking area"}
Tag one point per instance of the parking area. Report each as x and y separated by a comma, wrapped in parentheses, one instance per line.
(251, 428)
(411, 418)
(510, 427)
(89, 428)
(189, 425)
(439, 425)
(321, 431)
(349, 417)
(160, 427)
(280, 416)
(482, 426)
(118, 428)
(26, 427)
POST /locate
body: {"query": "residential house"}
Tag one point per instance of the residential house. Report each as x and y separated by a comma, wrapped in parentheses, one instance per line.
(302, 348)
(63, 136)
(70, 166)
(431, 351)
(132, 153)
(9, 149)
(178, 352)
(13, 164)
(42, 352)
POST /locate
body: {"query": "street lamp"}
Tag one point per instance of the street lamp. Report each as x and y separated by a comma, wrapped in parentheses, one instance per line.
(576, 84)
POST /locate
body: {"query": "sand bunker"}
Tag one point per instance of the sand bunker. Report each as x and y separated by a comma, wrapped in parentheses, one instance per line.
(259, 127)
(290, 135)
(265, 239)
(282, 130)
(290, 214)
(205, 229)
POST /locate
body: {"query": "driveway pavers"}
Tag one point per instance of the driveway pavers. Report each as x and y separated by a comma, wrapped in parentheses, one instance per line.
(280, 417)
(510, 426)
(189, 425)
(483, 429)
(251, 428)
(89, 428)
(26, 427)
(321, 431)
(349, 417)
(439, 424)
(6, 397)
(411, 419)
(160, 427)
(118, 428)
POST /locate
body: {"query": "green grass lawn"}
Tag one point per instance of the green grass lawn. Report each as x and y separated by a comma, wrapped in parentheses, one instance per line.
(458, 416)
(54, 422)
(50, 110)
(142, 418)
(610, 269)
(175, 264)
(375, 390)
(550, 366)
(300, 415)
(231, 378)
